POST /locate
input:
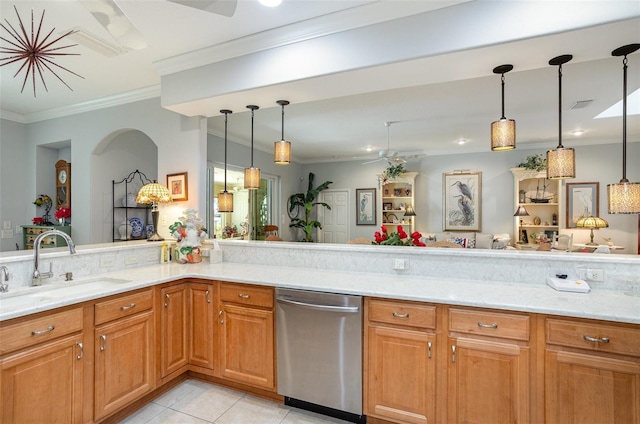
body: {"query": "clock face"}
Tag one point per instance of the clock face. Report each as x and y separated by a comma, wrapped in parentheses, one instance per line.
(62, 176)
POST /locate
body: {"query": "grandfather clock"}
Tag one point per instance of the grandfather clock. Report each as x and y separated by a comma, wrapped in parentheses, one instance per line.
(63, 184)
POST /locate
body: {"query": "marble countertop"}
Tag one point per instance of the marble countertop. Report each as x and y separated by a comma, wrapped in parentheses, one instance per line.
(611, 305)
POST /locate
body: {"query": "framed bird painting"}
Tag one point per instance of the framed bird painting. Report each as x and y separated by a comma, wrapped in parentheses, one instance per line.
(462, 201)
(366, 206)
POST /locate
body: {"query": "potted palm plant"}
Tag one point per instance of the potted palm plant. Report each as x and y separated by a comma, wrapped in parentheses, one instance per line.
(307, 201)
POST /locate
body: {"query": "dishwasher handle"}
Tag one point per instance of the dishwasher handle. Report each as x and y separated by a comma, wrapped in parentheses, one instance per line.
(317, 307)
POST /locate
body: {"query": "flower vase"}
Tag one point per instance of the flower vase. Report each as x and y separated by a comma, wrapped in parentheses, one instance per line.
(61, 221)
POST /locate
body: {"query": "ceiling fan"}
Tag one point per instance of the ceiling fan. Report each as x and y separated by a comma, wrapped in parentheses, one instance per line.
(392, 156)
(116, 22)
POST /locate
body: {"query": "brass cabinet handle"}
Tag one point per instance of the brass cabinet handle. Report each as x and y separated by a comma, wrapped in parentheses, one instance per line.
(81, 348)
(126, 308)
(596, 339)
(483, 325)
(220, 320)
(453, 353)
(38, 332)
(166, 300)
(103, 344)
(244, 296)
(206, 295)
(397, 315)
(429, 350)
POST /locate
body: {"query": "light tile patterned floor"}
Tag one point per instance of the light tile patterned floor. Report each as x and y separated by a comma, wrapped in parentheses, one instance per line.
(197, 402)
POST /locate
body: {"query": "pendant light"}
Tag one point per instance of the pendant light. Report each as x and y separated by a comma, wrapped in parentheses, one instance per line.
(503, 132)
(252, 174)
(282, 148)
(561, 161)
(225, 199)
(624, 197)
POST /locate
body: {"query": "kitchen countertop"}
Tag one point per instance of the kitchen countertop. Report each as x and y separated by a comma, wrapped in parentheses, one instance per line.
(611, 305)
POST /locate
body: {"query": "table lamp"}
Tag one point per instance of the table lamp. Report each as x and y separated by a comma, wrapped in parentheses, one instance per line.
(592, 222)
(521, 211)
(154, 193)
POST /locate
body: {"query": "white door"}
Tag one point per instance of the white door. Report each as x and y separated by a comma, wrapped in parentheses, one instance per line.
(335, 222)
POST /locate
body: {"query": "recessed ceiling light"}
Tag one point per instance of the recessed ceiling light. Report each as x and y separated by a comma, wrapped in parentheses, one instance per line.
(462, 141)
(577, 132)
(270, 3)
(369, 148)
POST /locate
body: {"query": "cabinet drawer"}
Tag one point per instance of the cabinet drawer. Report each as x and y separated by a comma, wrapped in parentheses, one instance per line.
(496, 324)
(246, 295)
(402, 313)
(622, 340)
(37, 330)
(123, 306)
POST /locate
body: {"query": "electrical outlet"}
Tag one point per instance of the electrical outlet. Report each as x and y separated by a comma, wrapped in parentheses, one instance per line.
(401, 264)
(131, 259)
(107, 262)
(591, 274)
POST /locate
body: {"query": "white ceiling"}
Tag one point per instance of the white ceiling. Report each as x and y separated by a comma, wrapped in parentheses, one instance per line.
(458, 100)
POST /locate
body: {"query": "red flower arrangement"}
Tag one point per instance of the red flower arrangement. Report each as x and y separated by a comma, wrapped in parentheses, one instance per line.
(399, 238)
(63, 213)
(38, 220)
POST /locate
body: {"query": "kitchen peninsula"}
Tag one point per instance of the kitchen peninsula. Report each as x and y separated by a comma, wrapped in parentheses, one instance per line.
(506, 288)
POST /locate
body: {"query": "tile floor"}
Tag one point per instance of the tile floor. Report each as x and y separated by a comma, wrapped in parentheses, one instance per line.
(197, 402)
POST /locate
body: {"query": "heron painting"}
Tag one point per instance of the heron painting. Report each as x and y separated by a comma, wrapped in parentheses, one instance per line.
(462, 194)
(366, 206)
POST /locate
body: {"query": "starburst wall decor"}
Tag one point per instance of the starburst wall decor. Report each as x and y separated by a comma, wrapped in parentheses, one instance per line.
(36, 54)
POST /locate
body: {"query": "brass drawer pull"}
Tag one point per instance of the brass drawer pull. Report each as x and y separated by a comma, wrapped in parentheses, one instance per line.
(397, 315)
(126, 308)
(244, 296)
(38, 332)
(81, 347)
(206, 295)
(166, 300)
(220, 319)
(429, 350)
(453, 353)
(596, 339)
(483, 325)
(103, 345)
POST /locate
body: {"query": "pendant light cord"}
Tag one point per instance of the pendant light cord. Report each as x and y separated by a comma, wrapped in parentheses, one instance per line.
(282, 122)
(624, 119)
(226, 116)
(560, 146)
(252, 137)
(502, 79)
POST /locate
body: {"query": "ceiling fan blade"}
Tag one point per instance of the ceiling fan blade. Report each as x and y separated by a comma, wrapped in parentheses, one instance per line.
(373, 161)
(113, 19)
(219, 7)
(396, 159)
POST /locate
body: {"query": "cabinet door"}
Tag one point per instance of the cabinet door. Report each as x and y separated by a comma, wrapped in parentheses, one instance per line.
(44, 384)
(174, 320)
(401, 375)
(583, 388)
(488, 382)
(201, 326)
(246, 345)
(123, 362)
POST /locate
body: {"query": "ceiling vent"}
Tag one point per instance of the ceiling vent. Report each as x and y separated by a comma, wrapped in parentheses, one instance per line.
(581, 104)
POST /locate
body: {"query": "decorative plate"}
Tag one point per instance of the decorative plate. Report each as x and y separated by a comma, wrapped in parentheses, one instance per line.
(150, 229)
(137, 226)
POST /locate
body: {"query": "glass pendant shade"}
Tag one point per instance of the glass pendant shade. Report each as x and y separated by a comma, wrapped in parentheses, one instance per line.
(282, 152)
(282, 148)
(503, 132)
(561, 163)
(252, 178)
(623, 197)
(225, 201)
(503, 135)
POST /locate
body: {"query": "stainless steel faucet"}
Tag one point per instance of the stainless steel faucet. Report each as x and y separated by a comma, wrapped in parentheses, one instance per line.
(4, 276)
(37, 275)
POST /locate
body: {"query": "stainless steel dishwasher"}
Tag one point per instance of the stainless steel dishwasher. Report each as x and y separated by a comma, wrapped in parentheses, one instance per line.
(319, 346)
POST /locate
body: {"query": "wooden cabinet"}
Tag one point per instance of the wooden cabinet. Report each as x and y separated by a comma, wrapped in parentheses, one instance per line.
(395, 197)
(488, 372)
(42, 372)
(246, 337)
(30, 232)
(400, 361)
(201, 335)
(124, 351)
(592, 372)
(174, 321)
(541, 198)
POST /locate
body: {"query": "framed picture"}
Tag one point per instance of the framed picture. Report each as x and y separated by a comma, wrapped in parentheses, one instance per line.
(462, 201)
(387, 206)
(178, 186)
(365, 206)
(582, 201)
(524, 239)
